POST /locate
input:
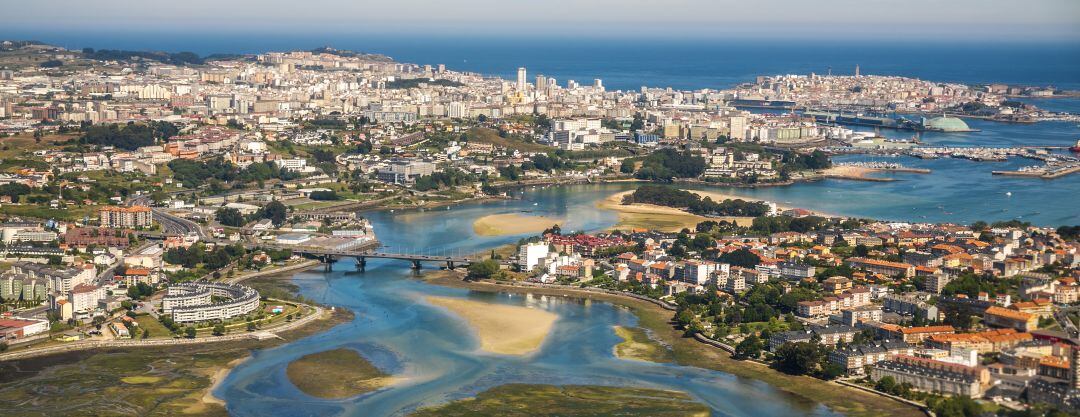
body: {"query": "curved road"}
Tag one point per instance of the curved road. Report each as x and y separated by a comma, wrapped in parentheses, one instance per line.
(97, 344)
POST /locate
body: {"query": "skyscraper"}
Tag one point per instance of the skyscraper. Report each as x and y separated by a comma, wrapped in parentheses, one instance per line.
(541, 82)
(521, 82)
(598, 84)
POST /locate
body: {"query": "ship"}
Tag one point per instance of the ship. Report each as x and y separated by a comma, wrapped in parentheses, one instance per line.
(1075, 148)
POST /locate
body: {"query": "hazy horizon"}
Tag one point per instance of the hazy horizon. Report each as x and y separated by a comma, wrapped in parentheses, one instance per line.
(927, 20)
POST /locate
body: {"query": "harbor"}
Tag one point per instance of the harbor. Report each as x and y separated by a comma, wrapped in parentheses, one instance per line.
(1045, 172)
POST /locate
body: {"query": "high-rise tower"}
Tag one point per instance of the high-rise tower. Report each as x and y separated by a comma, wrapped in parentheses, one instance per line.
(521, 81)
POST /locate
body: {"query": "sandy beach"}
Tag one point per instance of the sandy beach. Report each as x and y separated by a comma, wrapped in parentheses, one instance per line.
(512, 224)
(502, 329)
(215, 380)
(851, 172)
(670, 219)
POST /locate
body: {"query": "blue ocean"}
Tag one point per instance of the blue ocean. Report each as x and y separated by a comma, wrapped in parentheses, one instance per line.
(956, 191)
(627, 63)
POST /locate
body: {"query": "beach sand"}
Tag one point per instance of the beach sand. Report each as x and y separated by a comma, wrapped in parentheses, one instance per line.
(512, 224)
(502, 329)
(654, 217)
(851, 172)
(208, 396)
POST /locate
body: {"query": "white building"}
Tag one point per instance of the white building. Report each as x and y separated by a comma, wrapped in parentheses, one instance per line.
(530, 254)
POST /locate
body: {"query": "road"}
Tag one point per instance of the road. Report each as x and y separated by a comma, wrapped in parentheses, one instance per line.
(125, 343)
(1067, 325)
(170, 224)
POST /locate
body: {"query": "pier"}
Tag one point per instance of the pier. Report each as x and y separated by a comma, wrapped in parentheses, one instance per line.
(1046, 173)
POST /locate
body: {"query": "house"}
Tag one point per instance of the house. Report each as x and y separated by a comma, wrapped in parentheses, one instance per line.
(982, 342)
(855, 358)
(934, 376)
(119, 329)
(827, 335)
(995, 316)
(912, 335)
(882, 267)
(796, 271)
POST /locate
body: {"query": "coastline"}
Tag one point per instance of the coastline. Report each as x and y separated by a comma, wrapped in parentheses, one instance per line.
(513, 224)
(501, 329)
(691, 352)
(855, 173)
(334, 317)
(184, 377)
(641, 215)
(219, 376)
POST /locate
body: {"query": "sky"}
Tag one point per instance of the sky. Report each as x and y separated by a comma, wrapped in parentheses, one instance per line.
(1005, 20)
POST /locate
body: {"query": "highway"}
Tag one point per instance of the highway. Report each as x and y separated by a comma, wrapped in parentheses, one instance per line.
(1067, 325)
(170, 224)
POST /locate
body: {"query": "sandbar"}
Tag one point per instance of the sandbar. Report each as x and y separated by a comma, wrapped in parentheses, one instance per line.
(512, 224)
(668, 219)
(502, 329)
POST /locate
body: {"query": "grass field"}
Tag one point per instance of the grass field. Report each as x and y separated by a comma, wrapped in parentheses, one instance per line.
(522, 400)
(147, 381)
(337, 373)
(157, 330)
(23, 144)
(485, 135)
(72, 213)
(638, 345)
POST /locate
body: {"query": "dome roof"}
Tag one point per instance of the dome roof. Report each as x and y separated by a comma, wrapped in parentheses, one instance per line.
(947, 124)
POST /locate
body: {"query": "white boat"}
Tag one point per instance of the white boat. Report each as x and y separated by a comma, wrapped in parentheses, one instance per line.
(1008, 193)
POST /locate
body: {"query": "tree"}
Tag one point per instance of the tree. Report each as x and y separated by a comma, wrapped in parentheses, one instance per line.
(627, 166)
(684, 317)
(750, 347)
(956, 406)
(140, 290)
(328, 195)
(799, 358)
(219, 329)
(229, 216)
(483, 269)
(886, 384)
(250, 326)
(189, 332)
(740, 257)
(276, 212)
(146, 333)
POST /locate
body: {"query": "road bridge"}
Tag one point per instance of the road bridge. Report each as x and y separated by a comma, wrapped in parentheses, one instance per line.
(328, 256)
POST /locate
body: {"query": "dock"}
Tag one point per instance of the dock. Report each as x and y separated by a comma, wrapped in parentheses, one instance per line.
(1045, 173)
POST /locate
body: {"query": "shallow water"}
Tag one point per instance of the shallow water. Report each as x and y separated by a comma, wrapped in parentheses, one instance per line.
(437, 353)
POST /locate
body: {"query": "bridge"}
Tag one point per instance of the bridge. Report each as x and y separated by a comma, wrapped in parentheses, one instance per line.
(362, 254)
(328, 256)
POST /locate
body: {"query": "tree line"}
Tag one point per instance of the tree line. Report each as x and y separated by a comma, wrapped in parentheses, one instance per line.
(673, 197)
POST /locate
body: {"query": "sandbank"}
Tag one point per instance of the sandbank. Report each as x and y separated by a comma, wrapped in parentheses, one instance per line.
(512, 224)
(502, 329)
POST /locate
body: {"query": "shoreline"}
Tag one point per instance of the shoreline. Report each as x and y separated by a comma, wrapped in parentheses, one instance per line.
(218, 377)
(628, 212)
(507, 224)
(854, 173)
(501, 329)
(691, 352)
